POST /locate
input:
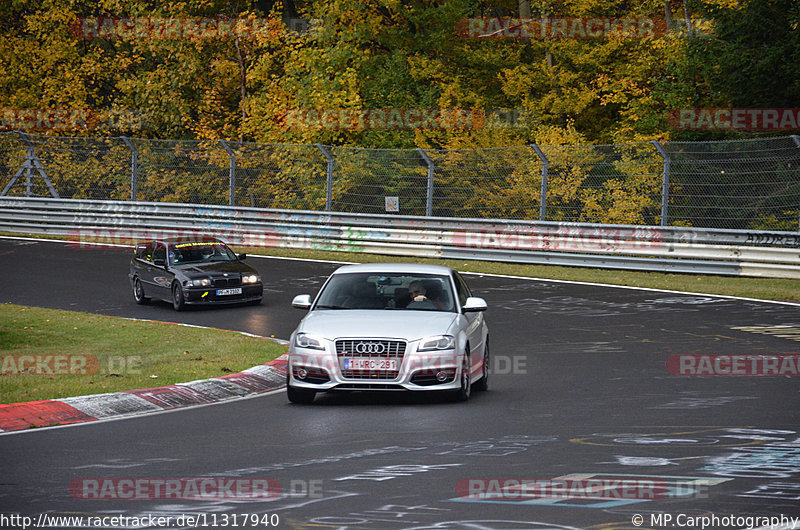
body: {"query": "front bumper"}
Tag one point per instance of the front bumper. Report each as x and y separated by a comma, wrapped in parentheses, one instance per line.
(324, 371)
(208, 295)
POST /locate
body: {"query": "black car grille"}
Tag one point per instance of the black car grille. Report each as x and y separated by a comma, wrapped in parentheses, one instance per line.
(372, 349)
(224, 283)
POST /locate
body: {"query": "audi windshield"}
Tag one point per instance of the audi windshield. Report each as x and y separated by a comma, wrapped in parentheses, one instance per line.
(371, 291)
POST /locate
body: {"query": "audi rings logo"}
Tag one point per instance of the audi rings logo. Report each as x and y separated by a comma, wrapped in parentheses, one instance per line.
(370, 347)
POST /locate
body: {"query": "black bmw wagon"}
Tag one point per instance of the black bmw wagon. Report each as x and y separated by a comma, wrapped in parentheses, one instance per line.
(192, 271)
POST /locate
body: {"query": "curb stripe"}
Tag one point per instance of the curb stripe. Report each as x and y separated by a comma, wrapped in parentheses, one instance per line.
(20, 416)
(256, 380)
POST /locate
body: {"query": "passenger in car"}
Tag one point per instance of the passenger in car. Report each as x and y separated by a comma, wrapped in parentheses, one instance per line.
(363, 296)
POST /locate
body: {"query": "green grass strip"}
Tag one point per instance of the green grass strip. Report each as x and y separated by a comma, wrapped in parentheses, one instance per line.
(95, 354)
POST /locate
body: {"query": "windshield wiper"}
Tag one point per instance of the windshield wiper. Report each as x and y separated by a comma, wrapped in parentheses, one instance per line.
(331, 307)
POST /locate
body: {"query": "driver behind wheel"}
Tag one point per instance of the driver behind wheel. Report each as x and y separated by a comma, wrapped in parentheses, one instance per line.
(420, 293)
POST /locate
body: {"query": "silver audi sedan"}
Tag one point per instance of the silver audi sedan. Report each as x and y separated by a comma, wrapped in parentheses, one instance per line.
(390, 326)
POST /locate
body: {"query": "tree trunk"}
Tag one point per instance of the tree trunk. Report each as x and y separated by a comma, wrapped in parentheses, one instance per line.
(687, 18)
(524, 9)
(668, 14)
(242, 83)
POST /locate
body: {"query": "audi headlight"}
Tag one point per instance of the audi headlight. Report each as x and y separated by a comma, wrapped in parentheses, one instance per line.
(202, 282)
(303, 340)
(250, 278)
(439, 342)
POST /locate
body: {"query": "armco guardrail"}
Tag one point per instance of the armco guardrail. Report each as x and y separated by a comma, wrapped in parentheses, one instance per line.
(646, 248)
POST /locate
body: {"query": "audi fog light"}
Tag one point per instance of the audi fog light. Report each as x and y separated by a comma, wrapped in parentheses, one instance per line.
(439, 342)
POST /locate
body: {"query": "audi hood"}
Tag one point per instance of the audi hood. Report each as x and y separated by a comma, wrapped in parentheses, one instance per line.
(357, 323)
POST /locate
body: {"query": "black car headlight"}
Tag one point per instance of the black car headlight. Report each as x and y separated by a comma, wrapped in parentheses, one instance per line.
(250, 278)
(200, 282)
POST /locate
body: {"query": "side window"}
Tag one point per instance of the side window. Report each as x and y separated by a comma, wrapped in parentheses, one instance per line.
(462, 289)
(160, 252)
(144, 251)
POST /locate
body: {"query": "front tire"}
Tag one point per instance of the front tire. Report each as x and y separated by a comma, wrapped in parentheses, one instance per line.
(483, 384)
(138, 292)
(464, 391)
(298, 395)
(178, 302)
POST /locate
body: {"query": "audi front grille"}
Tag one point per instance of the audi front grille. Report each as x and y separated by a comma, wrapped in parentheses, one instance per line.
(372, 349)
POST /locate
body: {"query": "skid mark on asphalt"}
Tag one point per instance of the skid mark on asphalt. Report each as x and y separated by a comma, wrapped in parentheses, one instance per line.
(782, 331)
(124, 463)
(701, 402)
(650, 461)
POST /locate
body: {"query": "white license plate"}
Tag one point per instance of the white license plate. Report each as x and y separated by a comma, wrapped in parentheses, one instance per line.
(225, 292)
(370, 364)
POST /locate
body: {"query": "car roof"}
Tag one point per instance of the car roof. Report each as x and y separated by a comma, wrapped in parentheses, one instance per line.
(183, 239)
(394, 268)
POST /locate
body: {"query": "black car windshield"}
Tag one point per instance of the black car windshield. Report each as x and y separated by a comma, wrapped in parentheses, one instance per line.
(200, 252)
(418, 292)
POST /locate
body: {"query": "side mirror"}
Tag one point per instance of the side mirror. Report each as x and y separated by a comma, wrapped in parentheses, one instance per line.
(302, 301)
(242, 256)
(474, 304)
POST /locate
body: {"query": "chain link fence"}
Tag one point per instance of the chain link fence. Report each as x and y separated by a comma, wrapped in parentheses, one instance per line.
(740, 184)
(735, 184)
(378, 180)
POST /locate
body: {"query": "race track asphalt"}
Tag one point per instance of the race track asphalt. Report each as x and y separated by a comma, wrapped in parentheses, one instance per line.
(580, 396)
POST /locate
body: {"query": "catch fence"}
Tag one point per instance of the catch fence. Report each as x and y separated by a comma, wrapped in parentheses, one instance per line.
(749, 184)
